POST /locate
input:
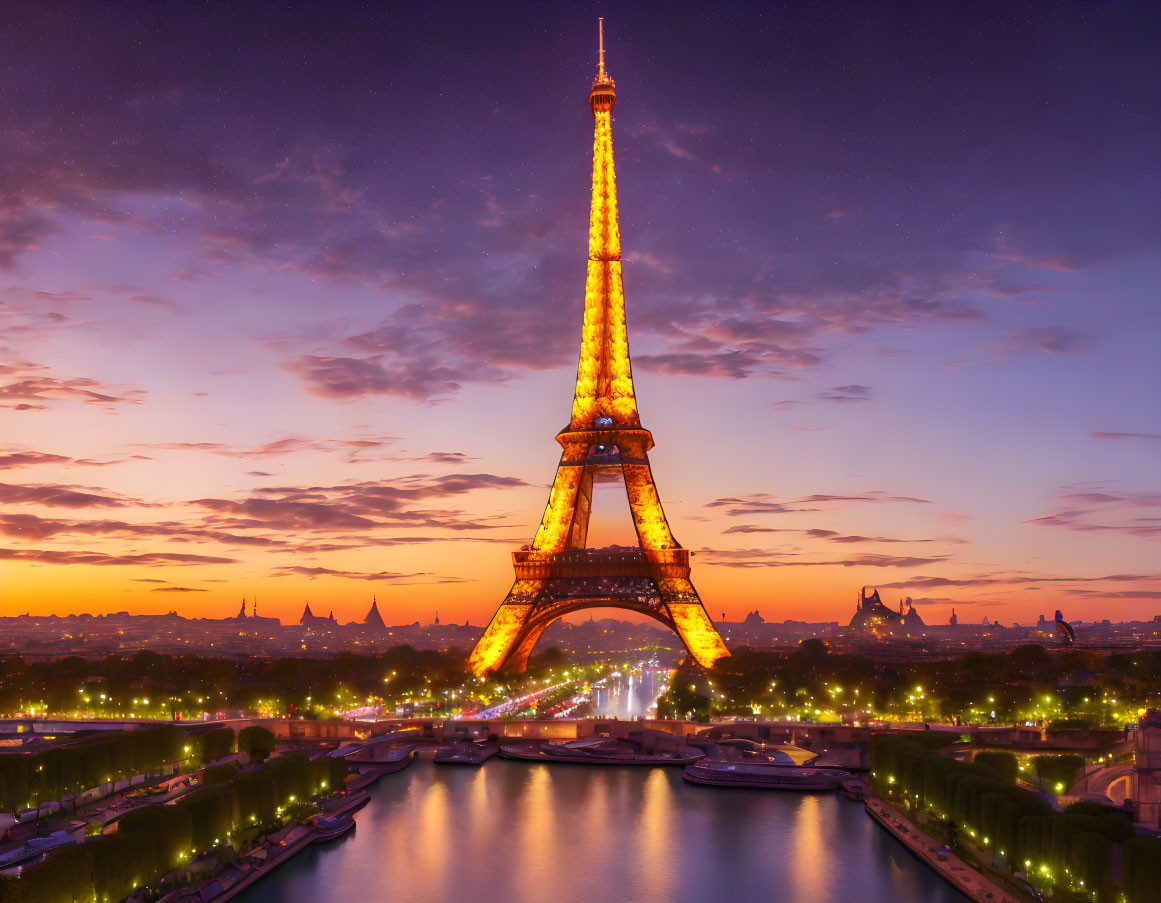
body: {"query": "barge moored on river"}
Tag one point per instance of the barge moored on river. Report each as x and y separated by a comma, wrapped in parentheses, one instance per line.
(465, 752)
(602, 752)
(764, 775)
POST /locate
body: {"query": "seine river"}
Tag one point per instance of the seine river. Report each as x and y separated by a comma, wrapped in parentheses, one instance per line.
(513, 832)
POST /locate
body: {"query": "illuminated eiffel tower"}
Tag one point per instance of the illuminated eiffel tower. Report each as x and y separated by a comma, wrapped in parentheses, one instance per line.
(558, 574)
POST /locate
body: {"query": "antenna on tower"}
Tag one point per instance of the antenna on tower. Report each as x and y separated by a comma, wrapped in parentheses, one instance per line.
(601, 39)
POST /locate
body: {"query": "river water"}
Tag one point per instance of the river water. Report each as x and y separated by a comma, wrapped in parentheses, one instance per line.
(515, 832)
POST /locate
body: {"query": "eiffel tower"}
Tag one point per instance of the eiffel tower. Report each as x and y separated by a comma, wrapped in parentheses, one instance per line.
(558, 574)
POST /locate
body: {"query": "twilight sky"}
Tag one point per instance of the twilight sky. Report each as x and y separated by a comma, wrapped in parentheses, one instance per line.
(290, 300)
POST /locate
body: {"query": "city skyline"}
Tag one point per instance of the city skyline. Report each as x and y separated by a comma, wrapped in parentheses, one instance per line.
(270, 327)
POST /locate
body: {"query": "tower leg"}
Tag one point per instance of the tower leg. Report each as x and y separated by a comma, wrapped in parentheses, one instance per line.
(504, 630)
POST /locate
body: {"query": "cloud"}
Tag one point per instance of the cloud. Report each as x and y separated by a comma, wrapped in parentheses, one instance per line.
(55, 495)
(16, 460)
(356, 506)
(31, 527)
(875, 496)
(177, 589)
(348, 377)
(1153, 436)
(150, 559)
(283, 515)
(847, 393)
(1014, 580)
(763, 503)
(26, 387)
(1099, 509)
(1048, 339)
(751, 558)
(454, 458)
(315, 572)
(754, 503)
(832, 535)
(355, 450)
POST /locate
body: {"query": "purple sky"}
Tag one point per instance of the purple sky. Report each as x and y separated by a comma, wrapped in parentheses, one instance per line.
(290, 299)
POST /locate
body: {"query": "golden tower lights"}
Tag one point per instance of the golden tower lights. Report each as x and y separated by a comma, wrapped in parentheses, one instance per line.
(558, 573)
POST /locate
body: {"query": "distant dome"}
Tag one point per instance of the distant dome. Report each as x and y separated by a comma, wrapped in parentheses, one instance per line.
(876, 616)
(873, 613)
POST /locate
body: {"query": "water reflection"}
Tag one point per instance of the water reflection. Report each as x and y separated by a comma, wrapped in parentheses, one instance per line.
(570, 834)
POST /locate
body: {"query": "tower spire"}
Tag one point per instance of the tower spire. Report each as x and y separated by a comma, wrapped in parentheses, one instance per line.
(601, 76)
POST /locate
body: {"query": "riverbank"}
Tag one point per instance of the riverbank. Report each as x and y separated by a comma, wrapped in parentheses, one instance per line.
(278, 849)
(946, 864)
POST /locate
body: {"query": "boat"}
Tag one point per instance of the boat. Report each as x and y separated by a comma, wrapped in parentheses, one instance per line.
(373, 761)
(350, 800)
(36, 848)
(601, 753)
(854, 789)
(330, 827)
(466, 753)
(764, 775)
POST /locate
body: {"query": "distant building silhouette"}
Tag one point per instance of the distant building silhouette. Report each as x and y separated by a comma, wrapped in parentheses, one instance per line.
(374, 622)
(871, 613)
(1065, 635)
(911, 617)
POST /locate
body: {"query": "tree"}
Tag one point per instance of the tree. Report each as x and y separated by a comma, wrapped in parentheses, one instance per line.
(1141, 880)
(257, 741)
(1000, 765)
(214, 744)
(1057, 773)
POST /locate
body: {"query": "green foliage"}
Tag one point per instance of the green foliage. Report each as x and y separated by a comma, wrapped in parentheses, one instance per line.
(1091, 862)
(219, 774)
(1141, 877)
(1029, 684)
(153, 840)
(65, 876)
(215, 744)
(1069, 724)
(1057, 773)
(257, 741)
(686, 697)
(70, 768)
(1089, 807)
(1000, 765)
(982, 800)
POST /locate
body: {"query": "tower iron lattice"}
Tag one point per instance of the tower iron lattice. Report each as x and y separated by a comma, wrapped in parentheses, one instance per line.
(558, 573)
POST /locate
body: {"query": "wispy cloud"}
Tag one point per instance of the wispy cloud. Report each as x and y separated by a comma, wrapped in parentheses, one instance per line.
(1149, 436)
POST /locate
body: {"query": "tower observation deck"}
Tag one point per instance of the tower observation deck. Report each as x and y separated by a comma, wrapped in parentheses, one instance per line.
(558, 573)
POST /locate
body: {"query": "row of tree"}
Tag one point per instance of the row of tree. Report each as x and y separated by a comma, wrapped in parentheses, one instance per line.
(71, 767)
(232, 807)
(149, 684)
(1069, 688)
(1076, 851)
